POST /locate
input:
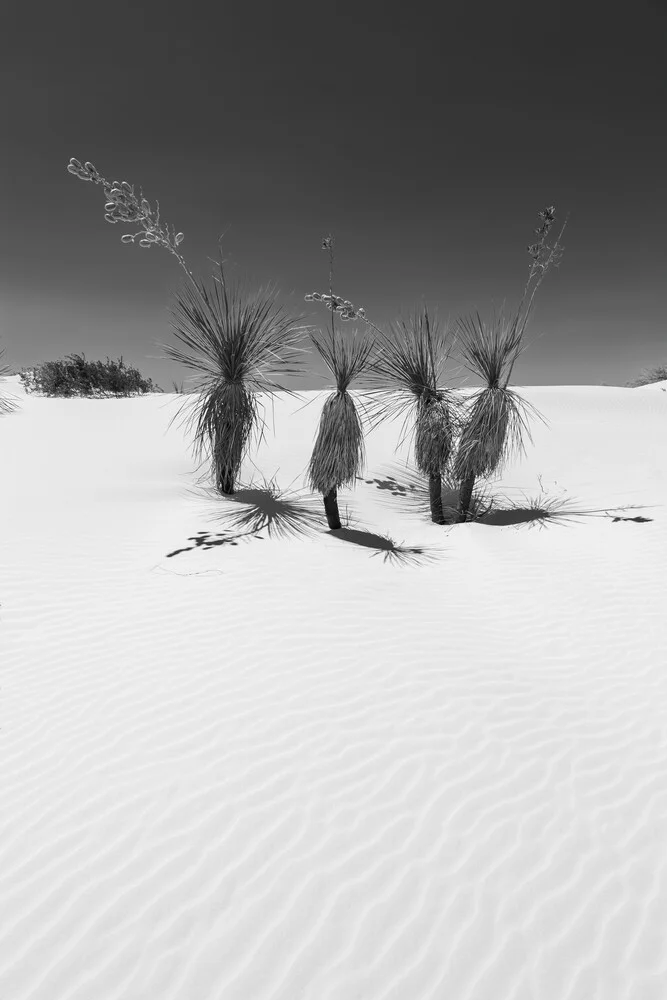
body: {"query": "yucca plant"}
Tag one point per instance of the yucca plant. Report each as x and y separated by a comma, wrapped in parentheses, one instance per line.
(338, 456)
(238, 340)
(493, 428)
(407, 374)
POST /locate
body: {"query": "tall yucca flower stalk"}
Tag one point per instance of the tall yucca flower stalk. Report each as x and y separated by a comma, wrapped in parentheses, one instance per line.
(238, 341)
(338, 455)
(492, 431)
(406, 374)
(240, 338)
(493, 428)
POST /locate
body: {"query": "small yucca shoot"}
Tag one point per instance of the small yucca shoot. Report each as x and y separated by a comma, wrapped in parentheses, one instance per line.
(338, 455)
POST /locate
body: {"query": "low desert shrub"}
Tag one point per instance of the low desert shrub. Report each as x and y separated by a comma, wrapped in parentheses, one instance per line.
(649, 376)
(74, 376)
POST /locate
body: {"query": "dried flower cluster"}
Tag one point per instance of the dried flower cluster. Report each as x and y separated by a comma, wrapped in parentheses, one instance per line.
(122, 205)
(543, 255)
(337, 305)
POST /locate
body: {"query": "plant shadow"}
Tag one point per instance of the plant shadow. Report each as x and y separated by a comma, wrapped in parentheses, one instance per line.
(411, 487)
(251, 509)
(391, 552)
(491, 509)
(209, 540)
(286, 514)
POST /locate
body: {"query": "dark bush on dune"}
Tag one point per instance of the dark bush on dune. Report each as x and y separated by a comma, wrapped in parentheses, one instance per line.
(75, 376)
(649, 377)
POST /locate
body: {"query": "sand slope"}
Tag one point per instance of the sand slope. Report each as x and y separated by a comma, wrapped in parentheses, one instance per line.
(304, 767)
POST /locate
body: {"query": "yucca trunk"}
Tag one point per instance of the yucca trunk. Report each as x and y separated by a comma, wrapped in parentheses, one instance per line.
(433, 443)
(331, 509)
(465, 497)
(435, 497)
(225, 482)
(235, 418)
(225, 475)
(482, 443)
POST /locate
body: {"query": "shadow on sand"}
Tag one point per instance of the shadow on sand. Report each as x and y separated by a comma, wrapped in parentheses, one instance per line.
(284, 514)
(391, 552)
(251, 509)
(492, 509)
(207, 540)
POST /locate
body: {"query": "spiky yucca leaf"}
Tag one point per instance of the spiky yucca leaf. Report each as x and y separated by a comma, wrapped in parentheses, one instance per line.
(345, 359)
(339, 455)
(238, 340)
(491, 351)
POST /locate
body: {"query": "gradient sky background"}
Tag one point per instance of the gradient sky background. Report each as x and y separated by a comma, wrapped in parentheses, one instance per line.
(426, 137)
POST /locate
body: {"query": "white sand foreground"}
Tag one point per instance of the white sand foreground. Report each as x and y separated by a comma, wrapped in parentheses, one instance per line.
(305, 768)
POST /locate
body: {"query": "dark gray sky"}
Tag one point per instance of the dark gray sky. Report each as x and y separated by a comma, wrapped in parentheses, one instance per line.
(426, 137)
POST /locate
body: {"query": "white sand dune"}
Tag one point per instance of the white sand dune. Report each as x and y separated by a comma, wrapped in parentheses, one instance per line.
(661, 385)
(308, 766)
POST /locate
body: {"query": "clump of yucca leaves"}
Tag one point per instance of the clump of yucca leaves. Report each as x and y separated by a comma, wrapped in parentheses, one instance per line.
(408, 369)
(238, 340)
(338, 455)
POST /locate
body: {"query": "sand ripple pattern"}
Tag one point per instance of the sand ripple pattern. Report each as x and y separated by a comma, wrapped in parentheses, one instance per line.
(332, 778)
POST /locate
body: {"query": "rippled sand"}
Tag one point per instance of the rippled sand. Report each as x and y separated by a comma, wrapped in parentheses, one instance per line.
(244, 758)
